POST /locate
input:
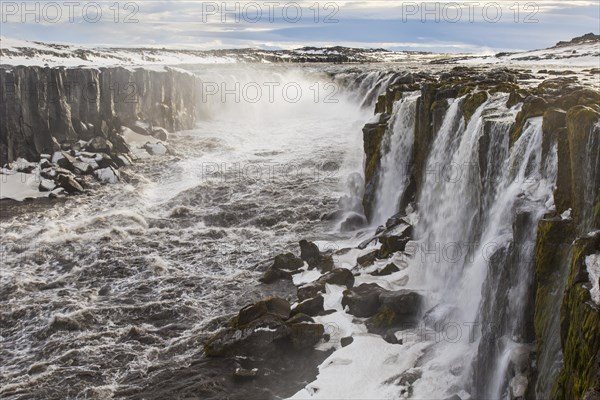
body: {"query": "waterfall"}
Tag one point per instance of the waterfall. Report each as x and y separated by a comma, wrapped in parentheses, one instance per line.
(395, 162)
(478, 209)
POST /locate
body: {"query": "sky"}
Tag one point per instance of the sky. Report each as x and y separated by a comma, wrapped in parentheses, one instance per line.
(439, 26)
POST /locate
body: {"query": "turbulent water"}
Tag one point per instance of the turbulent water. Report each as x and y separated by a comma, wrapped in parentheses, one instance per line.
(112, 294)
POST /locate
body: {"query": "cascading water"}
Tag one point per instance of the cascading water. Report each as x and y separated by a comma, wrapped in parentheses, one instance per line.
(395, 162)
(477, 218)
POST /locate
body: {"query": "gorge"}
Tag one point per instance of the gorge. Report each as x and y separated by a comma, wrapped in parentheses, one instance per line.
(426, 232)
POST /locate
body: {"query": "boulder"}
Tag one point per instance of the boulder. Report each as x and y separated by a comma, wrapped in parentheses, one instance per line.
(82, 168)
(310, 290)
(273, 274)
(69, 183)
(310, 253)
(346, 341)
(395, 239)
(107, 175)
(63, 159)
(387, 270)
(367, 259)
(273, 305)
(99, 145)
(46, 185)
(338, 276)
(363, 300)
(398, 308)
(305, 335)
(297, 318)
(288, 262)
(160, 133)
(353, 222)
(312, 306)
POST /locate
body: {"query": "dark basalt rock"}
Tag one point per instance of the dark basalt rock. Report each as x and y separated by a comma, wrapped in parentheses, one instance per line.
(337, 276)
(312, 306)
(310, 253)
(69, 183)
(346, 341)
(287, 261)
(362, 301)
(353, 222)
(398, 308)
(387, 270)
(368, 259)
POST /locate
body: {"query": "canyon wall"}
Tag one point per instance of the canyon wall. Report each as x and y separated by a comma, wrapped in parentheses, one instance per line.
(536, 291)
(42, 107)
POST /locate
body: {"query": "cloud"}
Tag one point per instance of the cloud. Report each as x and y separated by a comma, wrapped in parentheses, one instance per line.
(427, 25)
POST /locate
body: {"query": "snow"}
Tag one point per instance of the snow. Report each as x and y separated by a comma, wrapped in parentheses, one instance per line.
(574, 55)
(20, 186)
(592, 263)
(107, 175)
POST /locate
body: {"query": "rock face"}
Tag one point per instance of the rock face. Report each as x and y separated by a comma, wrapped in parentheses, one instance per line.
(570, 114)
(43, 105)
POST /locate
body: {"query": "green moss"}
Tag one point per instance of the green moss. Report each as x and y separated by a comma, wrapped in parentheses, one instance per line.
(580, 329)
(472, 103)
(384, 318)
(533, 107)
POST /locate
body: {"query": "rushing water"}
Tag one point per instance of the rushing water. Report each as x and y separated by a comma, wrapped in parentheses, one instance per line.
(108, 295)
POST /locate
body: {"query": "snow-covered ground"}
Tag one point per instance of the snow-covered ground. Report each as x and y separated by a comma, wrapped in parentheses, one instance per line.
(573, 55)
(19, 185)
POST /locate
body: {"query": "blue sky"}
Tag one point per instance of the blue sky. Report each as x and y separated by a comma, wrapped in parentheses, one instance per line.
(465, 26)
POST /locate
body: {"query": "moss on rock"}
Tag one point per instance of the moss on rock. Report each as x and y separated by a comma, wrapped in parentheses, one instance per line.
(472, 103)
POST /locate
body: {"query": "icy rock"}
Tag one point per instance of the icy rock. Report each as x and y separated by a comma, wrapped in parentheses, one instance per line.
(58, 192)
(46, 185)
(107, 175)
(155, 149)
(45, 163)
(245, 374)
(82, 168)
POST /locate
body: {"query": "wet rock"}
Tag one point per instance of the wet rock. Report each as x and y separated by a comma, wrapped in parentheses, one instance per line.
(398, 308)
(390, 337)
(312, 306)
(367, 259)
(155, 149)
(353, 222)
(395, 239)
(387, 270)
(287, 261)
(100, 145)
(122, 160)
(305, 335)
(299, 317)
(338, 276)
(273, 305)
(310, 253)
(346, 341)
(363, 300)
(69, 183)
(310, 290)
(274, 274)
(160, 133)
(245, 374)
